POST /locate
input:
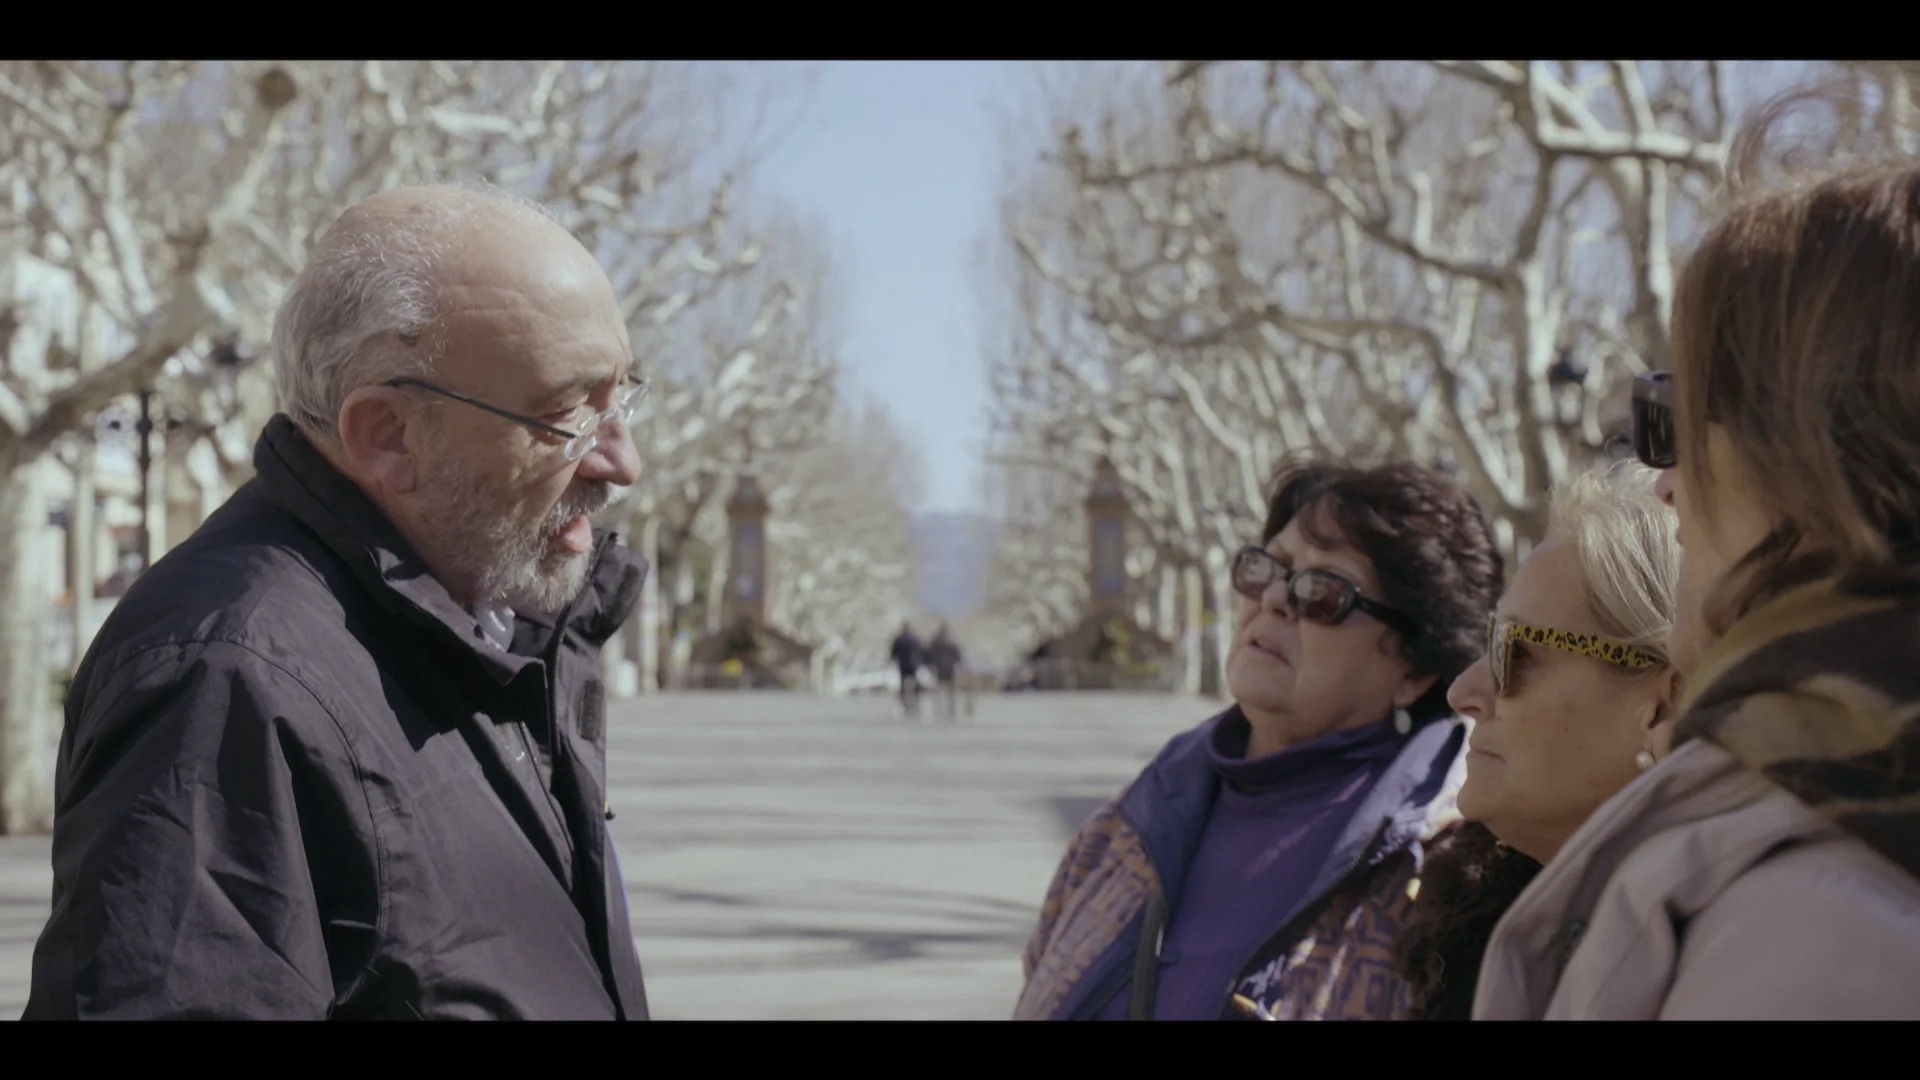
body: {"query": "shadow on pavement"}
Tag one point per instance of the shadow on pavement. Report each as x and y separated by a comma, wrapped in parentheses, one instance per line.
(690, 896)
(837, 947)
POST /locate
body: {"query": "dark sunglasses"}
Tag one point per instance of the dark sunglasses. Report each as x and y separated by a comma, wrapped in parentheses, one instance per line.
(1653, 435)
(1315, 595)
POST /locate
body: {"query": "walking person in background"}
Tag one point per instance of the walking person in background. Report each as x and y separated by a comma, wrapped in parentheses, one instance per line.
(1768, 867)
(908, 656)
(944, 658)
(1262, 860)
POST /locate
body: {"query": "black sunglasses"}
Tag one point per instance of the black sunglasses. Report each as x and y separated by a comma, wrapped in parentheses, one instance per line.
(1315, 595)
(1653, 435)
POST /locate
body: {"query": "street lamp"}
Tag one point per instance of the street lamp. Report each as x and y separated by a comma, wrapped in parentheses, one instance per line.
(228, 357)
(143, 454)
(1567, 379)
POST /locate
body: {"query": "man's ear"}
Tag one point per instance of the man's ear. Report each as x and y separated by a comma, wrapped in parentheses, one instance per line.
(373, 433)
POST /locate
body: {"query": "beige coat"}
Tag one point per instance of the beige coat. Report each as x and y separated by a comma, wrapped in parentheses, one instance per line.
(1703, 891)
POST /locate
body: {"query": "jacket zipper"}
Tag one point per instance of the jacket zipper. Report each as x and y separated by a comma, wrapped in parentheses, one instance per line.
(1310, 908)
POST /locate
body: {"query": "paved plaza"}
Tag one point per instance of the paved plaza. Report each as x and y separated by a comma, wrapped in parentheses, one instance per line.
(805, 858)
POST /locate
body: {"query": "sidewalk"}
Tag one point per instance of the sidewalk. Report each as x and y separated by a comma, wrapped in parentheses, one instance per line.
(799, 857)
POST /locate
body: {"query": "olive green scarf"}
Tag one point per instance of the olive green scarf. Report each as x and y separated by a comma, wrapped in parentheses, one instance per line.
(1819, 691)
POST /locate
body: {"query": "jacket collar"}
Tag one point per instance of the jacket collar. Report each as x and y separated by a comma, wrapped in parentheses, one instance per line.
(1674, 838)
(295, 476)
(1169, 804)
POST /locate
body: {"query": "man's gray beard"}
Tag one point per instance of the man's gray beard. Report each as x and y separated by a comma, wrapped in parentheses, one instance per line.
(504, 560)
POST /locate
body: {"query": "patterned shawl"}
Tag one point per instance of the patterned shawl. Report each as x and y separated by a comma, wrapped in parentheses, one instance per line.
(1819, 691)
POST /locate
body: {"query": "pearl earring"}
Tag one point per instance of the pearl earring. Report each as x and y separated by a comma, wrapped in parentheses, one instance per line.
(1402, 722)
(1643, 760)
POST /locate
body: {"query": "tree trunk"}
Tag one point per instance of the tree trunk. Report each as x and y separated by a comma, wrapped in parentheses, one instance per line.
(1166, 614)
(651, 611)
(82, 543)
(157, 517)
(26, 726)
(209, 486)
(1218, 628)
(1192, 630)
(1902, 110)
(680, 653)
(716, 591)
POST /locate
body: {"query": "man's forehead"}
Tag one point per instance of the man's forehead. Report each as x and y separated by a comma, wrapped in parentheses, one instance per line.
(559, 384)
(532, 351)
(535, 330)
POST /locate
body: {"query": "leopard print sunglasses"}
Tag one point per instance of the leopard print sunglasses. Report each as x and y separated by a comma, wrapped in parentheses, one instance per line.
(1502, 633)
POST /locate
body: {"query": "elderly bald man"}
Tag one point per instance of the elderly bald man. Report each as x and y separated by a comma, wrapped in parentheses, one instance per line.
(341, 754)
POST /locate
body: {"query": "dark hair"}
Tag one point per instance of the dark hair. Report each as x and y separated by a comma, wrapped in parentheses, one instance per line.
(1467, 883)
(1431, 549)
(1796, 328)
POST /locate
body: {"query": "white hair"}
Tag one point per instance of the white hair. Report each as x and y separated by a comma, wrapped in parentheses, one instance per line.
(361, 311)
(1629, 554)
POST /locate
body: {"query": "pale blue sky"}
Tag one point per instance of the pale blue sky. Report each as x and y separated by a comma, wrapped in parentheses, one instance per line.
(898, 160)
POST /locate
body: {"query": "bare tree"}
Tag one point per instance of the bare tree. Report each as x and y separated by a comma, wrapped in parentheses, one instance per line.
(77, 141)
(746, 381)
(179, 198)
(1207, 265)
(1037, 569)
(1192, 429)
(1459, 262)
(843, 533)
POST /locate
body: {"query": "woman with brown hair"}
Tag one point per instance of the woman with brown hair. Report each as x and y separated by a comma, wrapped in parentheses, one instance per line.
(1769, 866)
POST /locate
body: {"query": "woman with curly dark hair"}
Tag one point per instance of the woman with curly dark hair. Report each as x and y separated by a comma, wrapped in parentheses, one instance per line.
(1567, 705)
(1261, 865)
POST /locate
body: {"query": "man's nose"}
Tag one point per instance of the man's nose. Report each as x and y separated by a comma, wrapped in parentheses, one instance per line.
(614, 459)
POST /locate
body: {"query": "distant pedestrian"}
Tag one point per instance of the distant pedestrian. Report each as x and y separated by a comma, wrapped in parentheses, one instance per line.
(908, 655)
(944, 656)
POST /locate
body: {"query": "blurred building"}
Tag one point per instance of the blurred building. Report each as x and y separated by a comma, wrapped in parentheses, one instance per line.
(87, 487)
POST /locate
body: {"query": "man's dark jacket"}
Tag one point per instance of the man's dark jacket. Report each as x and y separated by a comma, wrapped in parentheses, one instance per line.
(296, 783)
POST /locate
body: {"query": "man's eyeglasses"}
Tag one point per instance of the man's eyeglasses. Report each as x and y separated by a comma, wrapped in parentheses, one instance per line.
(1501, 634)
(1653, 434)
(1315, 595)
(626, 402)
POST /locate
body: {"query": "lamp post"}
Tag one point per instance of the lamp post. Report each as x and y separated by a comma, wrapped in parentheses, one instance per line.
(227, 358)
(1567, 379)
(143, 455)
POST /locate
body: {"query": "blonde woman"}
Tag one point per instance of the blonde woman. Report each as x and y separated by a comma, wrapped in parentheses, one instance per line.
(1567, 706)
